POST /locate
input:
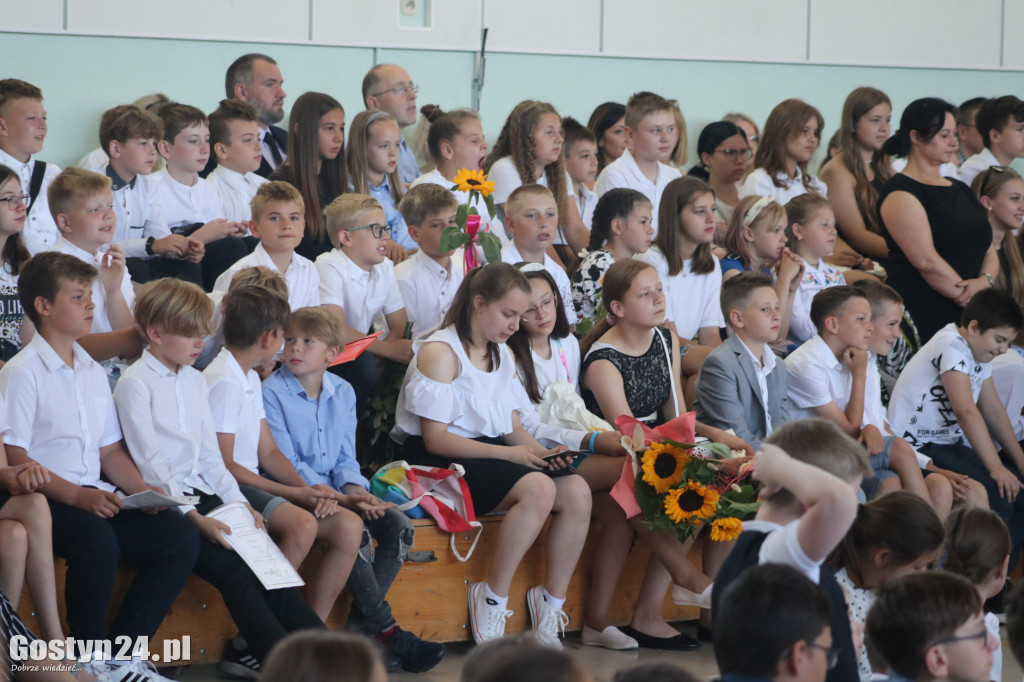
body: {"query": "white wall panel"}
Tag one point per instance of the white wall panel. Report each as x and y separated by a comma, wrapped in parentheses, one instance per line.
(555, 26)
(451, 24)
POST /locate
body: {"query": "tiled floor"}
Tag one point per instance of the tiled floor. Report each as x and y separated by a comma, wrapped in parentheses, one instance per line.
(601, 663)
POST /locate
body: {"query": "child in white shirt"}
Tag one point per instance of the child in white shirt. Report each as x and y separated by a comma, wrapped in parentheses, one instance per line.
(235, 142)
(581, 164)
(791, 134)
(812, 237)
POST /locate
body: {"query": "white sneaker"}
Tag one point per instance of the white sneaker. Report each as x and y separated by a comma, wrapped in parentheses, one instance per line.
(685, 597)
(486, 621)
(135, 671)
(547, 621)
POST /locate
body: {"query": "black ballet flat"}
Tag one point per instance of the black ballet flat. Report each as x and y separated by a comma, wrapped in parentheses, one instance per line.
(681, 642)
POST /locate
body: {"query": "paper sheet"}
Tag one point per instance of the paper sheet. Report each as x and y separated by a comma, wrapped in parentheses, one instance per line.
(149, 499)
(256, 548)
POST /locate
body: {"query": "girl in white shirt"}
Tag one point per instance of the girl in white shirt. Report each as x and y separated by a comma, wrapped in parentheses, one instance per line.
(528, 151)
(791, 135)
(812, 237)
(456, 407)
(15, 328)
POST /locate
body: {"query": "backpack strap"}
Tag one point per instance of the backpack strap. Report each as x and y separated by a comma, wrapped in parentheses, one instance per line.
(36, 183)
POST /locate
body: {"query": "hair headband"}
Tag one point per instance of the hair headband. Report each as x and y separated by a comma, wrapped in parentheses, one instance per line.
(374, 116)
(754, 211)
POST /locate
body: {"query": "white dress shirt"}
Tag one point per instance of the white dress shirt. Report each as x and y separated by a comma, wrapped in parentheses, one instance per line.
(167, 424)
(301, 277)
(364, 295)
(817, 378)
(60, 415)
(40, 229)
(427, 289)
(691, 300)
(100, 315)
(759, 183)
(235, 191)
(763, 366)
(510, 254)
(186, 205)
(140, 215)
(236, 405)
(624, 172)
(976, 165)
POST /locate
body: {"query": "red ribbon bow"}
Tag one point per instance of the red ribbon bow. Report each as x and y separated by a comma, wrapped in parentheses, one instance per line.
(682, 429)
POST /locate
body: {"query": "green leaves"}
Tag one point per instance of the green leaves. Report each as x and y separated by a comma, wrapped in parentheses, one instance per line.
(452, 237)
(491, 246)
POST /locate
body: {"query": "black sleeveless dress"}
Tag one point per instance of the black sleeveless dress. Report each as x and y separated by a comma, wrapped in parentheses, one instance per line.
(646, 378)
(962, 236)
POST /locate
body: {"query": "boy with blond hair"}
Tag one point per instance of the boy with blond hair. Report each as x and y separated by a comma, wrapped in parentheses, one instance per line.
(129, 135)
(531, 217)
(358, 287)
(278, 221)
(60, 413)
(22, 133)
(235, 143)
(428, 279)
(192, 207)
(312, 416)
(651, 135)
(164, 407)
(296, 514)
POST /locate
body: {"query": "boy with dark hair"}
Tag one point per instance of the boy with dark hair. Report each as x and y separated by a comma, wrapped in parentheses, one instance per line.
(61, 414)
(966, 131)
(741, 385)
(1000, 124)
(22, 132)
(774, 624)
(235, 143)
(192, 207)
(946, 406)
(581, 165)
(808, 503)
(930, 627)
(129, 135)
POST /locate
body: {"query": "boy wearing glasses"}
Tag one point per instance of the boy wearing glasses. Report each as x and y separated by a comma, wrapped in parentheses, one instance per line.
(358, 286)
(773, 623)
(931, 626)
(278, 222)
(389, 87)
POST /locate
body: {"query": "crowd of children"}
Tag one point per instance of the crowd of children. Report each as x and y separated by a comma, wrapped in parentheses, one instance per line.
(884, 436)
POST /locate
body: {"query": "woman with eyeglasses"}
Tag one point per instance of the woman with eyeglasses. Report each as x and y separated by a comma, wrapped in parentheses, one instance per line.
(859, 169)
(752, 132)
(724, 152)
(15, 328)
(939, 239)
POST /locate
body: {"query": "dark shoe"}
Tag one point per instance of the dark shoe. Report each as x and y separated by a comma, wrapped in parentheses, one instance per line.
(392, 663)
(416, 655)
(240, 662)
(681, 642)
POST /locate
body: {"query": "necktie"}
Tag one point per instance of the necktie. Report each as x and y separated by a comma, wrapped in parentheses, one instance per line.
(275, 150)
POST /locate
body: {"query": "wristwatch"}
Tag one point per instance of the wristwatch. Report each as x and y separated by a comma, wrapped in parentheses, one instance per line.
(151, 252)
(990, 278)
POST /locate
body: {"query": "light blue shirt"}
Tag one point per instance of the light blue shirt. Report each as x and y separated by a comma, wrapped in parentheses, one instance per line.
(399, 230)
(408, 169)
(317, 436)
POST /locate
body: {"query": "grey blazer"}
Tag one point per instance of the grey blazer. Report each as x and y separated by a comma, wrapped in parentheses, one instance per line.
(728, 395)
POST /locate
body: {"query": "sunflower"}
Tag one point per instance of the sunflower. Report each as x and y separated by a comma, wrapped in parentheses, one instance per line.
(473, 181)
(691, 500)
(663, 466)
(724, 530)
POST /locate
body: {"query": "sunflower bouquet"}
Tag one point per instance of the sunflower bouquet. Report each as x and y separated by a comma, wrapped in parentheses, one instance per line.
(682, 487)
(466, 232)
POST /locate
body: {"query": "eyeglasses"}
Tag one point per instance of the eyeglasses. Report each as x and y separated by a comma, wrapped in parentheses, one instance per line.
(376, 229)
(546, 306)
(400, 89)
(13, 199)
(983, 636)
(732, 154)
(831, 653)
(989, 172)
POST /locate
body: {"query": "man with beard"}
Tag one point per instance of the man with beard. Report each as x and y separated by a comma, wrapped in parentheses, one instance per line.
(255, 78)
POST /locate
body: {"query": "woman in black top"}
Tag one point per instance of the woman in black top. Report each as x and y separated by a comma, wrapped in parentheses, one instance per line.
(939, 239)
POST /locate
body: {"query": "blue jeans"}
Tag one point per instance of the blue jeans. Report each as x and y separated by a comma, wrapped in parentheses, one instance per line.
(376, 569)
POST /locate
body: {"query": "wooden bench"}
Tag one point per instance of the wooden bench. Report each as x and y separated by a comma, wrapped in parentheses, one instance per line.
(428, 598)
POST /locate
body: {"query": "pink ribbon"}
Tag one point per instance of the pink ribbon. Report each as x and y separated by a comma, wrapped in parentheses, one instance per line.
(682, 429)
(469, 254)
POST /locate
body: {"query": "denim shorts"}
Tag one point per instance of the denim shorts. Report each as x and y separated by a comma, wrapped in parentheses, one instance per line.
(880, 465)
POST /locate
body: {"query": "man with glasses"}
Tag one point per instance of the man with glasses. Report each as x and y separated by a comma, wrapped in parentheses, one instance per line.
(773, 623)
(389, 87)
(931, 626)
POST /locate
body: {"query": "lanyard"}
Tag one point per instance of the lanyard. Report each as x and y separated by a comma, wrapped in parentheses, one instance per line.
(565, 363)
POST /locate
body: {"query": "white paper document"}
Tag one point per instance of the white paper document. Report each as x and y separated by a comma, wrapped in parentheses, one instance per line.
(256, 548)
(149, 499)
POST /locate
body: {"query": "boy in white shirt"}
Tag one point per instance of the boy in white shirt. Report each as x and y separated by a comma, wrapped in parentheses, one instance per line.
(60, 411)
(945, 404)
(828, 377)
(651, 135)
(192, 207)
(531, 217)
(809, 472)
(581, 165)
(358, 286)
(296, 514)
(429, 279)
(129, 136)
(22, 132)
(235, 141)
(278, 221)
(1000, 123)
(164, 407)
